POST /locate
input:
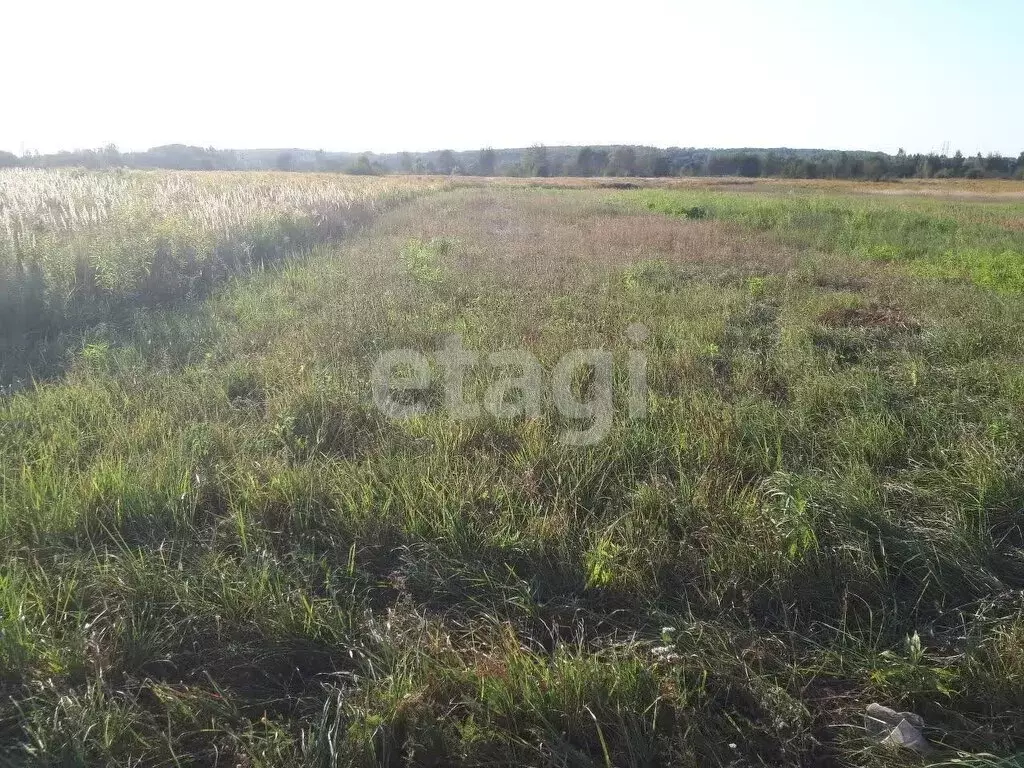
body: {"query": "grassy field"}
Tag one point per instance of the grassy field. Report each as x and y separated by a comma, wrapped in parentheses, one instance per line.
(215, 550)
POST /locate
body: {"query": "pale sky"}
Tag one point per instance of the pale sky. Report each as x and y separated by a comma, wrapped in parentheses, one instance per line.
(386, 76)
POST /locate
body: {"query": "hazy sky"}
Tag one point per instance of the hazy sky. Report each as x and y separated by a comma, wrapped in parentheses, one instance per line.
(385, 76)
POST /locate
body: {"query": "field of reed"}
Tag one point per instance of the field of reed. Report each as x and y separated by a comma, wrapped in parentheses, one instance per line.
(77, 247)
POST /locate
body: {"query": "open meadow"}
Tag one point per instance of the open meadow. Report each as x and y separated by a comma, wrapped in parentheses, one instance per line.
(215, 549)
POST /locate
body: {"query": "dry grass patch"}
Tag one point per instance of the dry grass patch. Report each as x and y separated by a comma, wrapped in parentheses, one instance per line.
(873, 316)
(972, 190)
(556, 238)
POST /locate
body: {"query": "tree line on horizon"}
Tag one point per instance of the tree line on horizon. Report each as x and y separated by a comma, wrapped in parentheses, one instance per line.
(542, 161)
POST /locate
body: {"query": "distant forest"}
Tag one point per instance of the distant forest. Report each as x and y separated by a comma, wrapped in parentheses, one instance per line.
(552, 161)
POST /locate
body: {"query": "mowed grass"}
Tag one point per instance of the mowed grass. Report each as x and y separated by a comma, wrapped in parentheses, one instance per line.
(216, 551)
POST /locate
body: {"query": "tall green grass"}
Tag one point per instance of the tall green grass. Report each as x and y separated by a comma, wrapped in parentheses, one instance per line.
(978, 241)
